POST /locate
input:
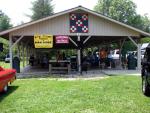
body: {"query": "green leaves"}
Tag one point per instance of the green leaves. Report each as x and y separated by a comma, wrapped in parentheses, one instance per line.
(4, 21)
(123, 11)
(41, 9)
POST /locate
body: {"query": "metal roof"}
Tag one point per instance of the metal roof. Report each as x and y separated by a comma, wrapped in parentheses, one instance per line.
(6, 32)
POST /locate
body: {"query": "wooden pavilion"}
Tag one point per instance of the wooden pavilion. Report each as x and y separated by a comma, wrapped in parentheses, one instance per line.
(84, 27)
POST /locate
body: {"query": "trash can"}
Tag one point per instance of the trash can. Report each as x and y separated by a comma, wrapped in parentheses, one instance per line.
(132, 62)
(16, 64)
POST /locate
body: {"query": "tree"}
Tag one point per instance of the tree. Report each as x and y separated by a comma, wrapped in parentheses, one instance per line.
(145, 40)
(4, 25)
(103, 6)
(146, 23)
(5, 48)
(123, 11)
(41, 9)
(4, 21)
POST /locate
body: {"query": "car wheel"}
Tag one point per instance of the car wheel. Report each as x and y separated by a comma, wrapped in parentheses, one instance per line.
(145, 87)
(5, 88)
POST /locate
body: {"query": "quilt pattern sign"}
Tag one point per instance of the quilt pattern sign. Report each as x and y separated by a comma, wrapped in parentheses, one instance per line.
(79, 23)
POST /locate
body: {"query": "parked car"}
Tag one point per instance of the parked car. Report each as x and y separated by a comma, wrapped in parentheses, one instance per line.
(7, 76)
(7, 58)
(146, 72)
(135, 53)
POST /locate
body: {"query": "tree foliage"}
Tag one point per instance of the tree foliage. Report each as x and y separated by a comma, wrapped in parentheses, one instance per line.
(4, 21)
(145, 40)
(41, 9)
(123, 11)
(5, 48)
(4, 25)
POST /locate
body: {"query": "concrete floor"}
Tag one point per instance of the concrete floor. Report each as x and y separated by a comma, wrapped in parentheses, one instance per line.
(36, 71)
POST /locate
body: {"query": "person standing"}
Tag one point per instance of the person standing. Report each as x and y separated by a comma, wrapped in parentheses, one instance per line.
(103, 55)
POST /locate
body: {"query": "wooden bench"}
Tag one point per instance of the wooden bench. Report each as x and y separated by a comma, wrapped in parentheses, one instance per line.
(59, 68)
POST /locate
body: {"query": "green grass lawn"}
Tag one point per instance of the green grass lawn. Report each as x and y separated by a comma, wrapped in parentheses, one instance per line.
(4, 65)
(116, 94)
(7, 65)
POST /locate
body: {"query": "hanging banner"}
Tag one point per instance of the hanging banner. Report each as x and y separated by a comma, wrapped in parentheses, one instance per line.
(43, 41)
(62, 39)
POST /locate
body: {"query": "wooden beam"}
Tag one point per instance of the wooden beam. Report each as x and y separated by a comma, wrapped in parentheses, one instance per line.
(17, 42)
(86, 39)
(73, 42)
(133, 41)
(10, 51)
(139, 57)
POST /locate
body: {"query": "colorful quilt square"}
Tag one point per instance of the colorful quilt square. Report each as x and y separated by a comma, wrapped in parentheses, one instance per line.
(79, 23)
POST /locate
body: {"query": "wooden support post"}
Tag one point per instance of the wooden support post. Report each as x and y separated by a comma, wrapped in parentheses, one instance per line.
(79, 55)
(139, 57)
(18, 52)
(11, 46)
(121, 46)
(120, 49)
(69, 68)
(50, 68)
(10, 51)
(28, 54)
(23, 55)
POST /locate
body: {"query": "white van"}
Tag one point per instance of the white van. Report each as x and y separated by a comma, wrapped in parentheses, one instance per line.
(115, 54)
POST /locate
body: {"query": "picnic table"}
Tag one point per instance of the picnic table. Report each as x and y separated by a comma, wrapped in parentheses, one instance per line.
(59, 66)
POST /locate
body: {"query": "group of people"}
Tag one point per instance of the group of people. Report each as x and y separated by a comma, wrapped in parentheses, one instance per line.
(106, 57)
(96, 58)
(44, 59)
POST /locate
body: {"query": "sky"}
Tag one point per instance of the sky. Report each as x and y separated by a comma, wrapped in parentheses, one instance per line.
(17, 10)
